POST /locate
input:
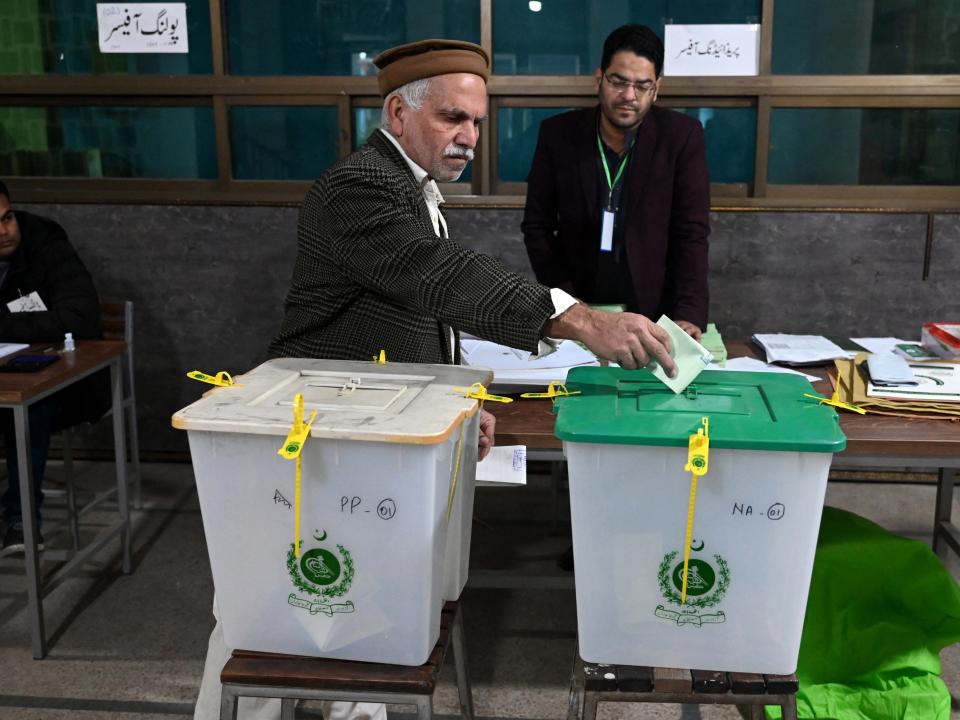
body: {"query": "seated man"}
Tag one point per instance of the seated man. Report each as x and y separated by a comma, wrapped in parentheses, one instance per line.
(38, 265)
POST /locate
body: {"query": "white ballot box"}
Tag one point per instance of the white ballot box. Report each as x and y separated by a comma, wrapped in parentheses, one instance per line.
(756, 516)
(385, 505)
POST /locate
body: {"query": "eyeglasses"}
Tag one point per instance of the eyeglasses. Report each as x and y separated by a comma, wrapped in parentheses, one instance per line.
(621, 85)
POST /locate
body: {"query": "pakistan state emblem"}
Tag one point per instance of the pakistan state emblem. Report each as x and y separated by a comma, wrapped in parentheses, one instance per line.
(706, 585)
(321, 575)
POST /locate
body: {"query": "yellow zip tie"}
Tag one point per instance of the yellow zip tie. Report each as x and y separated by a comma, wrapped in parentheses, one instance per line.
(221, 379)
(292, 447)
(456, 467)
(554, 390)
(698, 457)
(835, 401)
(478, 392)
(380, 359)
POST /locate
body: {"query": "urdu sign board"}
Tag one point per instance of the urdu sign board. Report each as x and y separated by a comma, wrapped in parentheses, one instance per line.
(142, 27)
(711, 50)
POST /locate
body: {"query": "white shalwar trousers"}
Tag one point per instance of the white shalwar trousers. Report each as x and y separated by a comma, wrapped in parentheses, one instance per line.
(249, 708)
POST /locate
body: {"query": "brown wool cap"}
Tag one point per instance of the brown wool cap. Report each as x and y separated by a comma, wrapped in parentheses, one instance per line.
(426, 58)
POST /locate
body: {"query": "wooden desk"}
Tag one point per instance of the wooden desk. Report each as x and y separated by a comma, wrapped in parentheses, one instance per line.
(18, 391)
(872, 441)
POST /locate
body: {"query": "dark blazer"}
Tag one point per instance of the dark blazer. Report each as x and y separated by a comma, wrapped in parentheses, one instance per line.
(371, 274)
(667, 212)
(46, 263)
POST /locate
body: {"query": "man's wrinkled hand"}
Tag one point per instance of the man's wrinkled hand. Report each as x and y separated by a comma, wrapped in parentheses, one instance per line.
(487, 425)
(630, 340)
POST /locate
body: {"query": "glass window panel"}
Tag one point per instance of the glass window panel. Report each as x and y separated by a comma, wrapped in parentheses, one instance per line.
(39, 36)
(282, 143)
(565, 37)
(337, 37)
(108, 142)
(881, 37)
(517, 131)
(366, 120)
(730, 135)
(865, 146)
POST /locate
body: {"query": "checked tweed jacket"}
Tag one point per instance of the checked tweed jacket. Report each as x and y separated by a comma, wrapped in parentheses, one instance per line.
(370, 274)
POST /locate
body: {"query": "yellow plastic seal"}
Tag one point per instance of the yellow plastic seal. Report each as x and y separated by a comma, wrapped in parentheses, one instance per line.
(554, 390)
(221, 379)
(478, 392)
(836, 402)
(292, 447)
(380, 359)
(698, 458)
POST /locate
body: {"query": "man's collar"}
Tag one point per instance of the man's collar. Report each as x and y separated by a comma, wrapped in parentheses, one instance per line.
(418, 172)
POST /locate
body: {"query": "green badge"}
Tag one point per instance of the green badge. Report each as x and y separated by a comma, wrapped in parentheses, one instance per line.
(708, 579)
(323, 575)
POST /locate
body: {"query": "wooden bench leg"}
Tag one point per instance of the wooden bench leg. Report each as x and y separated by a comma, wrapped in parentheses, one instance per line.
(228, 703)
(288, 708)
(756, 712)
(460, 663)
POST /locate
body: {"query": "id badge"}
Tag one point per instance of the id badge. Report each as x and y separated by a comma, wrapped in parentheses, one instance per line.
(606, 233)
(27, 303)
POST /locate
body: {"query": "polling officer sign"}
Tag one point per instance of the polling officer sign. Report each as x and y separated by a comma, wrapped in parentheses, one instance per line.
(142, 27)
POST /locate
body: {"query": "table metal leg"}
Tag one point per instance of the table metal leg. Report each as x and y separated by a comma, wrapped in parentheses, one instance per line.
(28, 511)
(945, 534)
(120, 456)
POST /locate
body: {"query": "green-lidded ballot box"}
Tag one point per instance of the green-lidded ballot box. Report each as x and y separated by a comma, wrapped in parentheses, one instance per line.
(740, 602)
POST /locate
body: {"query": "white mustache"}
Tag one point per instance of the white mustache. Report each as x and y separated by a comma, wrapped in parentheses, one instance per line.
(458, 151)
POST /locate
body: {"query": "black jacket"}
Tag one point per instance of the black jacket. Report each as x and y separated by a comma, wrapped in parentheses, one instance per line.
(46, 262)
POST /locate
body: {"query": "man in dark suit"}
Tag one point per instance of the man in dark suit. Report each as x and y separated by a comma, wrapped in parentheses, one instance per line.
(618, 195)
(45, 292)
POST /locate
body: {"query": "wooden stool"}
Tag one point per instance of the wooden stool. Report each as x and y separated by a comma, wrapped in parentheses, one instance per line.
(292, 677)
(627, 683)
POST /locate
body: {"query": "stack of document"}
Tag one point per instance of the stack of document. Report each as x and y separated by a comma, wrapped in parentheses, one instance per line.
(520, 368)
(799, 349)
(936, 394)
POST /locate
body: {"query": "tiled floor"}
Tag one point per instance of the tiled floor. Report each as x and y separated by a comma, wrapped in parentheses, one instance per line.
(133, 646)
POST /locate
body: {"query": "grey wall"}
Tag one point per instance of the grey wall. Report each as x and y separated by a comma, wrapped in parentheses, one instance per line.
(209, 282)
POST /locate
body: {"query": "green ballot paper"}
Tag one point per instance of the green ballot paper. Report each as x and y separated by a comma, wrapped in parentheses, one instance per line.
(690, 356)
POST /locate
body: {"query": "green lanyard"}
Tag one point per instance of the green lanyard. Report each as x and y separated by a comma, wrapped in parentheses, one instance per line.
(606, 169)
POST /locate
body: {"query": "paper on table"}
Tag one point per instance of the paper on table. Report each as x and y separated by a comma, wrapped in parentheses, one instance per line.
(505, 465)
(936, 383)
(812, 349)
(516, 368)
(749, 364)
(879, 345)
(501, 357)
(10, 348)
(689, 355)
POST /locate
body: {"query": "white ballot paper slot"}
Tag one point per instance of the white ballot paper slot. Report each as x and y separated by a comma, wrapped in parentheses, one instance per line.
(690, 356)
(505, 465)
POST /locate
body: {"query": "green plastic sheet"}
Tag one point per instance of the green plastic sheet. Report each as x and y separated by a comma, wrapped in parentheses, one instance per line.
(881, 608)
